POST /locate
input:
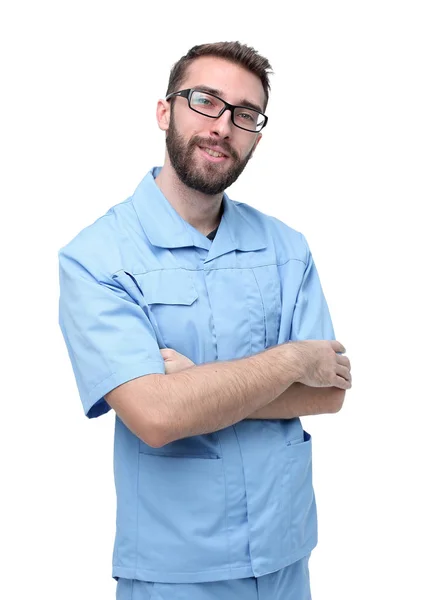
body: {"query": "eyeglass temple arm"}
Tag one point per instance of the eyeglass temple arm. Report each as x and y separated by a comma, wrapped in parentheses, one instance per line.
(184, 93)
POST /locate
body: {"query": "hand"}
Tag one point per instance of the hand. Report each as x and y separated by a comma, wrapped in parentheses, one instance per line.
(321, 365)
(174, 361)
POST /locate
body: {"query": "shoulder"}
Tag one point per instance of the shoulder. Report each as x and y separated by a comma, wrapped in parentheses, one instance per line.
(289, 242)
(99, 246)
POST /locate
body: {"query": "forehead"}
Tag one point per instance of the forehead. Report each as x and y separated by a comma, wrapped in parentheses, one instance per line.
(233, 81)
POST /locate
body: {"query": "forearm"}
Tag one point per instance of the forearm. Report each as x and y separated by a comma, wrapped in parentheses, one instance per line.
(211, 396)
(300, 400)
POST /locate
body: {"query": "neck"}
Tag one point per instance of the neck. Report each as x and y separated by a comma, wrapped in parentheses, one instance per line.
(199, 210)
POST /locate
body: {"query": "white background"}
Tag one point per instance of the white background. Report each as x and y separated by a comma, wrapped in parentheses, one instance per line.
(342, 160)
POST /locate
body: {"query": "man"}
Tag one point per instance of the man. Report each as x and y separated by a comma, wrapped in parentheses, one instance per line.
(202, 323)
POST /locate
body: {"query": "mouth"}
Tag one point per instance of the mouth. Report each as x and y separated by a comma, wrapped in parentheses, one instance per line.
(213, 155)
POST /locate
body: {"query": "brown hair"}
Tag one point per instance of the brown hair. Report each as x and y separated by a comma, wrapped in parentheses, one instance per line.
(235, 52)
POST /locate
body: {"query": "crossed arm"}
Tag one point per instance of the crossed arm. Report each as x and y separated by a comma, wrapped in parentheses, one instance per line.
(297, 401)
(300, 400)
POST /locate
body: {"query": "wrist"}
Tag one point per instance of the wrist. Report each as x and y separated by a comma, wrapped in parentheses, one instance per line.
(290, 357)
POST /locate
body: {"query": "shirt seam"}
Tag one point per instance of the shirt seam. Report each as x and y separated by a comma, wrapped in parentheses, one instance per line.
(222, 268)
(228, 567)
(225, 504)
(266, 332)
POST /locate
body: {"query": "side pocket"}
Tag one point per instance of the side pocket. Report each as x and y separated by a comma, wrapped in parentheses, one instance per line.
(299, 440)
(181, 514)
(303, 519)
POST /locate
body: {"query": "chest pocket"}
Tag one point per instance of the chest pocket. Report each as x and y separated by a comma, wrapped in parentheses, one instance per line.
(172, 300)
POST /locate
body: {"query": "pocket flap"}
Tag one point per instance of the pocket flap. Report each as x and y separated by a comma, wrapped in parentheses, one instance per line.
(173, 286)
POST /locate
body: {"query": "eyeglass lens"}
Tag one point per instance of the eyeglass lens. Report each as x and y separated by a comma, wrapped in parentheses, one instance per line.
(211, 106)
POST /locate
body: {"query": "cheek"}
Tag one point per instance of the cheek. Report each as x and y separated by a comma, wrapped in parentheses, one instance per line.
(191, 123)
(252, 149)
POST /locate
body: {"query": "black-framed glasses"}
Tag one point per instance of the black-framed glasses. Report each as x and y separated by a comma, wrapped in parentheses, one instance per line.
(213, 106)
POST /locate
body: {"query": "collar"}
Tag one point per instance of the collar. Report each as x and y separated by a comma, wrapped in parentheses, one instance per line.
(165, 228)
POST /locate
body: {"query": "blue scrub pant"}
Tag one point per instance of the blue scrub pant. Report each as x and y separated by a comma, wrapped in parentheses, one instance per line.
(290, 583)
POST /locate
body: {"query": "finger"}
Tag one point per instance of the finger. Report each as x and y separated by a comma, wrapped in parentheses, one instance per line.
(343, 372)
(337, 346)
(342, 383)
(343, 360)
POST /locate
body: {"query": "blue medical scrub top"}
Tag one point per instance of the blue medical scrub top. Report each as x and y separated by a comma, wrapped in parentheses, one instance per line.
(237, 502)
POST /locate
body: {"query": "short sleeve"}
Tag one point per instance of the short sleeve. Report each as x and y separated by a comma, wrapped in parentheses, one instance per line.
(311, 319)
(109, 338)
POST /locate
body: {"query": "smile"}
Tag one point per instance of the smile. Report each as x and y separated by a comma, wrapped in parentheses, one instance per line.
(213, 155)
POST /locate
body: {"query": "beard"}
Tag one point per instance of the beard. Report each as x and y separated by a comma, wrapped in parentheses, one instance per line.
(208, 178)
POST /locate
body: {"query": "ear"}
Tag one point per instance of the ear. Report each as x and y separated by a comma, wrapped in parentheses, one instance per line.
(163, 109)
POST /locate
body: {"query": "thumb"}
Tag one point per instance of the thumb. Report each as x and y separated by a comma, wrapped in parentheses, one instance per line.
(166, 353)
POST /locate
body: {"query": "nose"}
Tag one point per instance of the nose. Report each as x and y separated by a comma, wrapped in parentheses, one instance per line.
(222, 126)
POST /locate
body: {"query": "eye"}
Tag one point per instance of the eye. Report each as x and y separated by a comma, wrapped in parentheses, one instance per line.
(246, 116)
(203, 101)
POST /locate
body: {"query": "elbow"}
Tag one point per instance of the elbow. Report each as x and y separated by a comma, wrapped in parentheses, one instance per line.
(153, 435)
(158, 440)
(145, 430)
(153, 442)
(337, 400)
(136, 403)
(337, 406)
(156, 434)
(150, 438)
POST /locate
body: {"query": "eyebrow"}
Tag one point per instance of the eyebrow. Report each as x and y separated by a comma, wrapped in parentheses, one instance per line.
(244, 102)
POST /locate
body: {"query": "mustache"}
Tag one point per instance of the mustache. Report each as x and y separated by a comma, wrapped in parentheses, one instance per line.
(198, 141)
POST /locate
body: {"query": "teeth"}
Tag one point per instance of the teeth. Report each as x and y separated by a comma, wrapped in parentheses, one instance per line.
(212, 153)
